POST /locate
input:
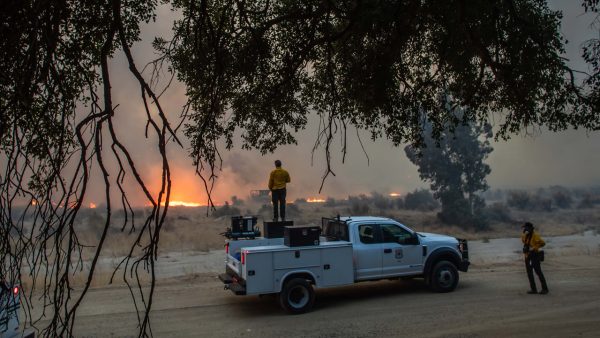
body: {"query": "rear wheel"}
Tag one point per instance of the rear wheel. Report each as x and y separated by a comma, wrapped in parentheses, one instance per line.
(444, 277)
(297, 296)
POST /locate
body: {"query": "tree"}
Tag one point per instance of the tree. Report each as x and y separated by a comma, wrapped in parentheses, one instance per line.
(591, 54)
(262, 66)
(454, 164)
(57, 128)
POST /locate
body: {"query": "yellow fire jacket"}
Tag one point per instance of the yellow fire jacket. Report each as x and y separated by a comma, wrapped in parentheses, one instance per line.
(279, 177)
(535, 243)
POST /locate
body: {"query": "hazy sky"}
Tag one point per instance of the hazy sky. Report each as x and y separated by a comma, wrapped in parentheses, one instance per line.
(542, 158)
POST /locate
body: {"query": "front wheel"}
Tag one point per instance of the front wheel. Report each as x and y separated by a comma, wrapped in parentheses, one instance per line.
(444, 277)
(297, 296)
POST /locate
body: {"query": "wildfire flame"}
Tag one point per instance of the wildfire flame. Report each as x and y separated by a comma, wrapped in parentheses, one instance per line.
(183, 204)
(394, 194)
(93, 205)
(315, 200)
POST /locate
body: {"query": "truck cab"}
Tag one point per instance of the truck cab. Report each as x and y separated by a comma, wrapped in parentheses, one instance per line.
(384, 248)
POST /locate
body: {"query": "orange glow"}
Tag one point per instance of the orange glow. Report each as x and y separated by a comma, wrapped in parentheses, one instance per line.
(33, 202)
(394, 194)
(315, 200)
(92, 205)
(183, 204)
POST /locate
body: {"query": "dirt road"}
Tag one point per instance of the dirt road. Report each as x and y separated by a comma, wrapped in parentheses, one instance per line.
(491, 301)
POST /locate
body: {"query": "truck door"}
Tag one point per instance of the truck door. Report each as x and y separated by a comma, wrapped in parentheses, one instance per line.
(402, 253)
(369, 251)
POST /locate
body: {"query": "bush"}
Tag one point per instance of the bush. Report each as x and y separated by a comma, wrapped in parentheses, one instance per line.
(380, 201)
(519, 199)
(358, 205)
(586, 202)
(420, 200)
(398, 203)
(235, 201)
(292, 210)
(457, 211)
(562, 197)
(498, 212)
(226, 210)
(330, 202)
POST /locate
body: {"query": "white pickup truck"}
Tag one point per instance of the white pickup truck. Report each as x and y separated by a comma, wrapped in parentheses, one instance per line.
(350, 250)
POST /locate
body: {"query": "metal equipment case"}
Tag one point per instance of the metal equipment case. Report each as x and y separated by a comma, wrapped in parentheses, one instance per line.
(275, 229)
(301, 236)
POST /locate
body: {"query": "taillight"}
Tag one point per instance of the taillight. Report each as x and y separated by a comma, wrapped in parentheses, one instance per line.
(243, 257)
(227, 248)
(16, 290)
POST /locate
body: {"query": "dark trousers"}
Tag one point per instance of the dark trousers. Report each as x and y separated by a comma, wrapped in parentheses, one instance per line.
(278, 199)
(532, 263)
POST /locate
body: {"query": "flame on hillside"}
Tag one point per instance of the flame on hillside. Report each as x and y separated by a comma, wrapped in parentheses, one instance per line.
(183, 204)
(394, 194)
(315, 200)
(93, 205)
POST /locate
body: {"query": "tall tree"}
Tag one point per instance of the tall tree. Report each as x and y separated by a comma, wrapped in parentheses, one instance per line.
(454, 164)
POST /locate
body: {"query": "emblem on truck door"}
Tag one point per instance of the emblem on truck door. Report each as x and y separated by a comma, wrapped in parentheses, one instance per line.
(399, 253)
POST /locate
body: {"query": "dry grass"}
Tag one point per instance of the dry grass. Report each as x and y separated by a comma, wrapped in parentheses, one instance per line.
(191, 230)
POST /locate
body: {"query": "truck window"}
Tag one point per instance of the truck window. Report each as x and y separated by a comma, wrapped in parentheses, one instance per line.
(336, 231)
(366, 232)
(392, 233)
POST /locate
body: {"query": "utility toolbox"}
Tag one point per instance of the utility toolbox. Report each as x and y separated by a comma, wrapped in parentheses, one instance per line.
(275, 229)
(301, 236)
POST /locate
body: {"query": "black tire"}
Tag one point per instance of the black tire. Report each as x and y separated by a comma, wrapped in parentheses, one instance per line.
(297, 296)
(443, 277)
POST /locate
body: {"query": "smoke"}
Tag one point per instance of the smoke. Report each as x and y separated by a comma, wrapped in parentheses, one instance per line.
(537, 158)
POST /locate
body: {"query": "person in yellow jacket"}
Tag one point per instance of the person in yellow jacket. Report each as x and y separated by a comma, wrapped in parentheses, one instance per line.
(532, 243)
(277, 184)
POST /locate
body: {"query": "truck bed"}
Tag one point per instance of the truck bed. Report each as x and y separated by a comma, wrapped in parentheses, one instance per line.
(265, 266)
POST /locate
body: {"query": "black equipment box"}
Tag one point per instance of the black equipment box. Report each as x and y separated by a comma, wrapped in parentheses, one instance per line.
(275, 229)
(242, 227)
(301, 236)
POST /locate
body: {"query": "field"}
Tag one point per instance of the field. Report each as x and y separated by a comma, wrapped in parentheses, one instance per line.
(490, 301)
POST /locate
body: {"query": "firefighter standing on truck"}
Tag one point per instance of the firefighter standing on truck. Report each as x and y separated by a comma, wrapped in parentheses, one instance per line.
(277, 181)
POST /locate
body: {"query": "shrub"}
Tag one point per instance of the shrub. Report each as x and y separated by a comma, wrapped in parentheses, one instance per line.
(235, 201)
(358, 205)
(292, 210)
(562, 199)
(498, 212)
(519, 199)
(380, 201)
(420, 200)
(226, 210)
(330, 202)
(586, 202)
